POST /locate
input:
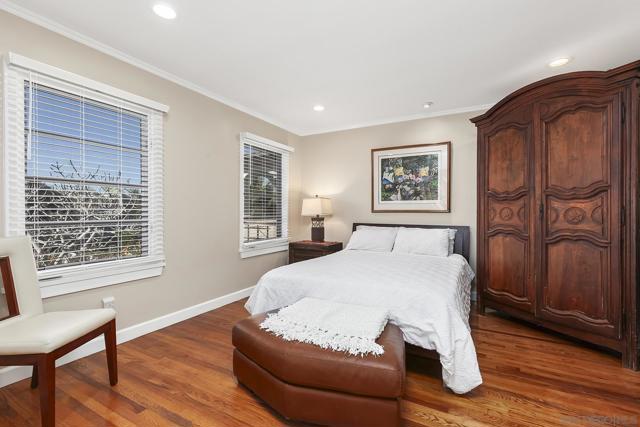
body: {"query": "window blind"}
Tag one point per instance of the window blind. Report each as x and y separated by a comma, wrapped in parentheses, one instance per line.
(264, 193)
(86, 178)
(83, 173)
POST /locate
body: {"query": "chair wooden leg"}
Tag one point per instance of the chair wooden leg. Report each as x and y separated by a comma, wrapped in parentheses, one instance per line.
(34, 377)
(112, 352)
(46, 369)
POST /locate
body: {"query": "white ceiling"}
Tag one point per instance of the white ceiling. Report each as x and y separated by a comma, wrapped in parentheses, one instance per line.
(367, 61)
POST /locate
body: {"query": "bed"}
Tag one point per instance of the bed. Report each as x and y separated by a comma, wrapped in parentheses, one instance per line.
(428, 297)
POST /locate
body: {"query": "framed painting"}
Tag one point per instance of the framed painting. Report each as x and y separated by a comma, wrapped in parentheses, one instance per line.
(411, 178)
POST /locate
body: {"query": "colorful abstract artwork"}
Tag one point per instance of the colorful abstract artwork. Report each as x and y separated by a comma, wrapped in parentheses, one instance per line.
(411, 178)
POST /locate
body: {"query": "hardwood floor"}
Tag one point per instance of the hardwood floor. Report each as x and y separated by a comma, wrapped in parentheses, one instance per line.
(181, 376)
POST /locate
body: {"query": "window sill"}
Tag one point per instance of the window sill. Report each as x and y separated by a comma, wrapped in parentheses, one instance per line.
(251, 252)
(67, 280)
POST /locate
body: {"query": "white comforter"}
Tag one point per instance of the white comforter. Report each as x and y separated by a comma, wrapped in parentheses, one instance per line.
(427, 297)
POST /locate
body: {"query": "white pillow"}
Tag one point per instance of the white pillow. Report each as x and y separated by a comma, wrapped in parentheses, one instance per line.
(378, 239)
(422, 241)
(452, 239)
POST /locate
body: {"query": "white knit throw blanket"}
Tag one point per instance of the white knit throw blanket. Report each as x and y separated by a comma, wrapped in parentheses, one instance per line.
(330, 325)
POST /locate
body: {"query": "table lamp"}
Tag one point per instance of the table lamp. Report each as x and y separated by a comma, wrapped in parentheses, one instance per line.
(317, 208)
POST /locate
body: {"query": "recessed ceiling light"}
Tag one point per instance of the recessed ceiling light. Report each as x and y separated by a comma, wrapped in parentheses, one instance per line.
(428, 104)
(164, 11)
(318, 108)
(559, 62)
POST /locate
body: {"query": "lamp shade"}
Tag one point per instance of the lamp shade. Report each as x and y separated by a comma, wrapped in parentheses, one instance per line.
(317, 206)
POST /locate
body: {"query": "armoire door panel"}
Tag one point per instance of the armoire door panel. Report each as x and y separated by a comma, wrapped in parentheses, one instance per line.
(508, 268)
(577, 282)
(578, 216)
(507, 156)
(577, 146)
(507, 258)
(580, 282)
(508, 214)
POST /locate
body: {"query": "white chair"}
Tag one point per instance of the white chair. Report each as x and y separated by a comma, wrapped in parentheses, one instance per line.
(31, 337)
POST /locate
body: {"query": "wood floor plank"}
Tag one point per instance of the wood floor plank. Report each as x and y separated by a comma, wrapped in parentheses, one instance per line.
(182, 376)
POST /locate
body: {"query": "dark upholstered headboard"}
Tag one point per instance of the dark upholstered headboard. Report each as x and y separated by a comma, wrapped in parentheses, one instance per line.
(463, 234)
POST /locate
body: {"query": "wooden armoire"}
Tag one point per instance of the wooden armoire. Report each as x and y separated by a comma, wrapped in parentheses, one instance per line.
(558, 207)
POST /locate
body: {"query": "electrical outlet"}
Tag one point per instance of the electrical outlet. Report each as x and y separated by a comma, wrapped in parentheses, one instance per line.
(109, 302)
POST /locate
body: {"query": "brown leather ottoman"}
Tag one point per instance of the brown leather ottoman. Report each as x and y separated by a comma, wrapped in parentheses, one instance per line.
(306, 383)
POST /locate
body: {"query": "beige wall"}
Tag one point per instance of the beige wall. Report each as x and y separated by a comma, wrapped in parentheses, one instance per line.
(201, 184)
(338, 165)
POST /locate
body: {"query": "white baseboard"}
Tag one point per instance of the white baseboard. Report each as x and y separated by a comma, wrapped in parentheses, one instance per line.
(12, 374)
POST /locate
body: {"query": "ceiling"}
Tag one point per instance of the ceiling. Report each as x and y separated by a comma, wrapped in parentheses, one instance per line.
(367, 61)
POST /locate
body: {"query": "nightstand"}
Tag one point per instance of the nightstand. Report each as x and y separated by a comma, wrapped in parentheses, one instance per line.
(308, 249)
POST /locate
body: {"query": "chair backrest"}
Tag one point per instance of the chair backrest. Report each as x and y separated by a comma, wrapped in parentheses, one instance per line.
(23, 269)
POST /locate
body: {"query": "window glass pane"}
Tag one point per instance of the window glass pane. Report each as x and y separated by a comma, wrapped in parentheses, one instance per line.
(262, 194)
(134, 204)
(54, 157)
(86, 176)
(132, 131)
(57, 244)
(48, 202)
(102, 124)
(53, 112)
(102, 163)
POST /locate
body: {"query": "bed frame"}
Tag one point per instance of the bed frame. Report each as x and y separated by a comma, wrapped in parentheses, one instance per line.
(460, 246)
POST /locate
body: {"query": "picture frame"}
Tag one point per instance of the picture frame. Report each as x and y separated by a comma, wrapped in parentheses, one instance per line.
(411, 178)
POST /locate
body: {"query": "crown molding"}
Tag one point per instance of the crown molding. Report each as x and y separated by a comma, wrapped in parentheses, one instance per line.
(58, 28)
(67, 32)
(450, 112)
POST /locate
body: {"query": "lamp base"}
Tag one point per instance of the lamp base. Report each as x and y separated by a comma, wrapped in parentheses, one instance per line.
(317, 234)
(317, 229)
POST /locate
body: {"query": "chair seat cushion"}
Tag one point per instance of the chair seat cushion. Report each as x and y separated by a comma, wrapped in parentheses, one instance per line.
(311, 366)
(44, 333)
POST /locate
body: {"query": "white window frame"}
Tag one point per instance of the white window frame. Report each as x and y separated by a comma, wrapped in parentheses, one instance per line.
(65, 280)
(248, 250)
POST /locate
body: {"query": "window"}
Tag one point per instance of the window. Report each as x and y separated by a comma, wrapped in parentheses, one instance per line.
(83, 177)
(86, 179)
(264, 190)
